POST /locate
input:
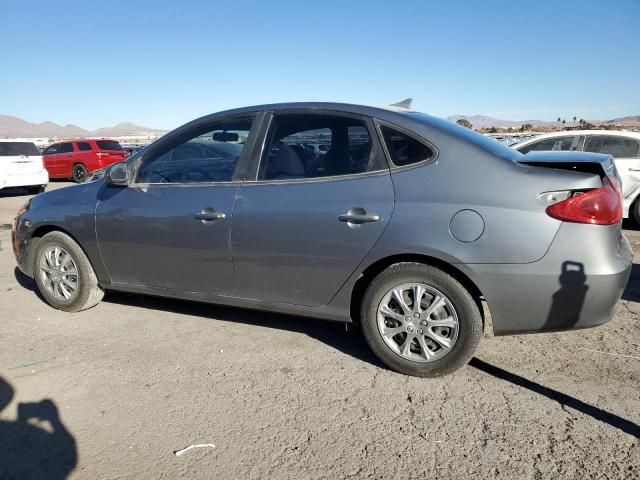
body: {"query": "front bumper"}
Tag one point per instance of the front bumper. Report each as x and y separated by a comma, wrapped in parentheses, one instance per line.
(577, 284)
(25, 180)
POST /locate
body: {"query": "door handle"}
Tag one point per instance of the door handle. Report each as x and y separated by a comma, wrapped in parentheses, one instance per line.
(208, 215)
(634, 169)
(358, 216)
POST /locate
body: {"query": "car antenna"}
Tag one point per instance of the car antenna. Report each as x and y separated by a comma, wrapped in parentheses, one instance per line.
(406, 103)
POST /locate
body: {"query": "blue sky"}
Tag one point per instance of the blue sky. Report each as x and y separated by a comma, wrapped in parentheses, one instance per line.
(160, 64)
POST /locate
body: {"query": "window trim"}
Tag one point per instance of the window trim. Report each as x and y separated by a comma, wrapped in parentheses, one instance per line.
(418, 138)
(177, 138)
(254, 170)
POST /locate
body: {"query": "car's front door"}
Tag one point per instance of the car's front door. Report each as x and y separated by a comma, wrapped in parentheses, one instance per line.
(311, 216)
(50, 159)
(169, 229)
(65, 160)
(625, 151)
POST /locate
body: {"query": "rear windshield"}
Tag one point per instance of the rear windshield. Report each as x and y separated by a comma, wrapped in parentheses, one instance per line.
(108, 145)
(10, 149)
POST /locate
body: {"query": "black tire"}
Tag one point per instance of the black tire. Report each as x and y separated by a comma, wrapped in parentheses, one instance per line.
(468, 313)
(635, 211)
(88, 292)
(79, 172)
(36, 189)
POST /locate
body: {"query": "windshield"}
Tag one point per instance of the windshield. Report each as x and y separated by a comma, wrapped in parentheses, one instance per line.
(14, 149)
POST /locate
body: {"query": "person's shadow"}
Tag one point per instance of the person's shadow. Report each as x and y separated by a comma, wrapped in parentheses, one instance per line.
(36, 445)
(569, 300)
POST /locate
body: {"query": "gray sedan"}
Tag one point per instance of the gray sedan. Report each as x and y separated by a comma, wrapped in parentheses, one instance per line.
(404, 226)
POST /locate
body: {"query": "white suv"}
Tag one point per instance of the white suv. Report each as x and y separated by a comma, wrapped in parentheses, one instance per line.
(624, 146)
(21, 166)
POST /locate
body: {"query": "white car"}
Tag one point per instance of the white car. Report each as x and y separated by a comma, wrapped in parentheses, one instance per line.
(21, 166)
(624, 146)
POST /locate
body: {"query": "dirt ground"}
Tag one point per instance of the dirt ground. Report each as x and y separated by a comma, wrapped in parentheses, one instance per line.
(113, 391)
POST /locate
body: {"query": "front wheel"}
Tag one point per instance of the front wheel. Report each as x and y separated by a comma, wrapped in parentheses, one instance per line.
(420, 321)
(64, 275)
(79, 173)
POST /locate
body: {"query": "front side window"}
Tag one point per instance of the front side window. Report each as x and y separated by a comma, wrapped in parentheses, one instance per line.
(313, 146)
(83, 146)
(403, 149)
(210, 156)
(51, 150)
(619, 147)
(66, 148)
(553, 144)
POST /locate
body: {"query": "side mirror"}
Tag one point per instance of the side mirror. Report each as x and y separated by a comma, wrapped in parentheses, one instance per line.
(118, 174)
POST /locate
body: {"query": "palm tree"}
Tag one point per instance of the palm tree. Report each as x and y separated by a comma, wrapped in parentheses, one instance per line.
(574, 119)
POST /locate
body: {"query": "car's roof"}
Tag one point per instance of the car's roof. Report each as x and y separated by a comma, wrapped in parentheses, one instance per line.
(571, 133)
(370, 110)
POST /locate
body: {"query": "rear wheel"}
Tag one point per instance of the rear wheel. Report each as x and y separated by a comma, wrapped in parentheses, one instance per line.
(64, 275)
(79, 173)
(35, 190)
(420, 321)
(635, 210)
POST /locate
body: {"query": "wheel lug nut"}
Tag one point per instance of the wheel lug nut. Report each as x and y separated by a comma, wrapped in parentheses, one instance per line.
(409, 328)
(406, 319)
(423, 323)
(419, 331)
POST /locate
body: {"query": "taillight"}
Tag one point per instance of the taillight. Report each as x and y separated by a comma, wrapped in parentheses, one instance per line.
(600, 206)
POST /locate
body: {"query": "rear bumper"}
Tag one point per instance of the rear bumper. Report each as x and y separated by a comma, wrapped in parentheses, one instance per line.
(577, 284)
(24, 180)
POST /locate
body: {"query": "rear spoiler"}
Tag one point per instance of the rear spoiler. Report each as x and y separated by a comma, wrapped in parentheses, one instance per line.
(598, 163)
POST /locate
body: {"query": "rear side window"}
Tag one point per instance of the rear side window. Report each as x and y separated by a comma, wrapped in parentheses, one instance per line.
(551, 145)
(11, 149)
(65, 148)
(108, 145)
(404, 150)
(619, 147)
(312, 146)
(83, 146)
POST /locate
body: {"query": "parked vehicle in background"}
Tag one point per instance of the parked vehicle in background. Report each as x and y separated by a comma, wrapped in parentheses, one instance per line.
(406, 224)
(77, 158)
(21, 166)
(623, 146)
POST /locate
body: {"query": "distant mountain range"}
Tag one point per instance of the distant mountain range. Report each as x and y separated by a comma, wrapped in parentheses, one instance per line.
(14, 127)
(482, 121)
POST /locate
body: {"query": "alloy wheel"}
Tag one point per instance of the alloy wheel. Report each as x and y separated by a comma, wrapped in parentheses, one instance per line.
(59, 273)
(417, 322)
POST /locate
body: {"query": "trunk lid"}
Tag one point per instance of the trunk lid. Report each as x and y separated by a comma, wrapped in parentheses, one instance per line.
(584, 162)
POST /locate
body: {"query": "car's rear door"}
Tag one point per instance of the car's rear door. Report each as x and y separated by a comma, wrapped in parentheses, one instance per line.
(626, 154)
(169, 229)
(306, 221)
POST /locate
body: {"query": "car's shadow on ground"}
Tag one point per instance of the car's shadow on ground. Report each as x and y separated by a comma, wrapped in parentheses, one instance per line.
(333, 334)
(14, 192)
(352, 342)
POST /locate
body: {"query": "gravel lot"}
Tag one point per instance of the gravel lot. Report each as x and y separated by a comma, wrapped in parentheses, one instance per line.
(136, 378)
